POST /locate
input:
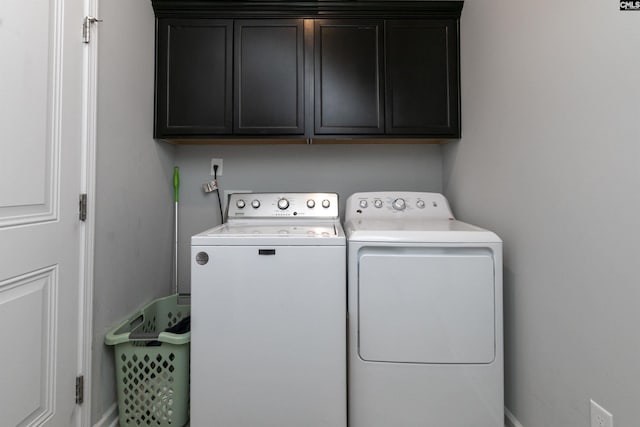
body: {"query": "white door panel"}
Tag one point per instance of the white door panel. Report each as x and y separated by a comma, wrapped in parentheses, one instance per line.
(28, 112)
(40, 235)
(27, 307)
(426, 306)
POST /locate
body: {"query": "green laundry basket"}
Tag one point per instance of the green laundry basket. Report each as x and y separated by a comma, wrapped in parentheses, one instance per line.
(152, 366)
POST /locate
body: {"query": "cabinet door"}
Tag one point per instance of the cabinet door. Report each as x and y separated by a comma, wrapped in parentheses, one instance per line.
(269, 77)
(193, 77)
(348, 77)
(423, 79)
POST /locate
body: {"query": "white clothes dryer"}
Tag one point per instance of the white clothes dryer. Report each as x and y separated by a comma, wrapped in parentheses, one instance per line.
(268, 343)
(425, 315)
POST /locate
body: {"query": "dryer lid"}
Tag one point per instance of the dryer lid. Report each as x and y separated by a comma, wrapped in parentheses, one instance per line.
(408, 216)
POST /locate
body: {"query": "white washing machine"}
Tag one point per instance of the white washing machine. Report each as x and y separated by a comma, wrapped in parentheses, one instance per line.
(425, 315)
(268, 345)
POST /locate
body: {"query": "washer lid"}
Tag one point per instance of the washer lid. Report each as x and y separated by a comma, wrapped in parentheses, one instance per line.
(416, 230)
(272, 233)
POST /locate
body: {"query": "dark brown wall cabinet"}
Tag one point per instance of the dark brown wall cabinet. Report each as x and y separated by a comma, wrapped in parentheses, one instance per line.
(422, 84)
(206, 66)
(367, 70)
(348, 77)
(193, 77)
(269, 77)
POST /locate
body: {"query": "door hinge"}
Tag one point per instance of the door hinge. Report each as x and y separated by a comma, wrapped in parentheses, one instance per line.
(82, 209)
(79, 389)
(86, 27)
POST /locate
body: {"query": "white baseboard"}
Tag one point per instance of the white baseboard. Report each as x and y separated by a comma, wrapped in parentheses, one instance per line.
(109, 418)
(510, 419)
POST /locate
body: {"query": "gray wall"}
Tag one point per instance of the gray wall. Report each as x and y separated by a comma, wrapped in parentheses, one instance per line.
(549, 159)
(134, 220)
(134, 174)
(344, 169)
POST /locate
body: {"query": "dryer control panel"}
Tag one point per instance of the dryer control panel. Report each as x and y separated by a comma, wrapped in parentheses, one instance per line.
(392, 204)
(283, 205)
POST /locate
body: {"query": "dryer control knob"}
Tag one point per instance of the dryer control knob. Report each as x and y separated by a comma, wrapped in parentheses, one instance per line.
(363, 204)
(420, 204)
(377, 203)
(399, 204)
(283, 204)
(255, 203)
(326, 203)
(311, 203)
(240, 203)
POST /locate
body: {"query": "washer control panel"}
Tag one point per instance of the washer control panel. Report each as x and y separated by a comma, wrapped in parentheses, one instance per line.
(388, 204)
(283, 205)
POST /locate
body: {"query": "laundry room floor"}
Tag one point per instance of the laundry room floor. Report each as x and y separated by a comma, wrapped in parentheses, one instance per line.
(506, 424)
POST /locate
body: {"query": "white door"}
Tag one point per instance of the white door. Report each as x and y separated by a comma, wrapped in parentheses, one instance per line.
(40, 175)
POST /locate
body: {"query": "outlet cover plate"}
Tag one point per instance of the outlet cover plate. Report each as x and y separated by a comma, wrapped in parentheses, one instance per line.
(600, 417)
(219, 163)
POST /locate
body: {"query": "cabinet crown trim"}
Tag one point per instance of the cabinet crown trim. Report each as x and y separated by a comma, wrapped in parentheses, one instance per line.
(311, 9)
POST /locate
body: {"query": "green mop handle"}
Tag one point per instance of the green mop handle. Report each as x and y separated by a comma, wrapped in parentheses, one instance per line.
(176, 187)
(176, 183)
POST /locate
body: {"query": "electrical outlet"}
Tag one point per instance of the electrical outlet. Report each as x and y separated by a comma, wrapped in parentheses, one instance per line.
(219, 163)
(600, 417)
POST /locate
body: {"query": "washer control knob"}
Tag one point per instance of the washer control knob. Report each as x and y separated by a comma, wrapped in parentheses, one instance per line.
(377, 203)
(420, 204)
(240, 203)
(311, 203)
(283, 204)
(363, 204)
(399, 204)
(326, 203)
(255, 203)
